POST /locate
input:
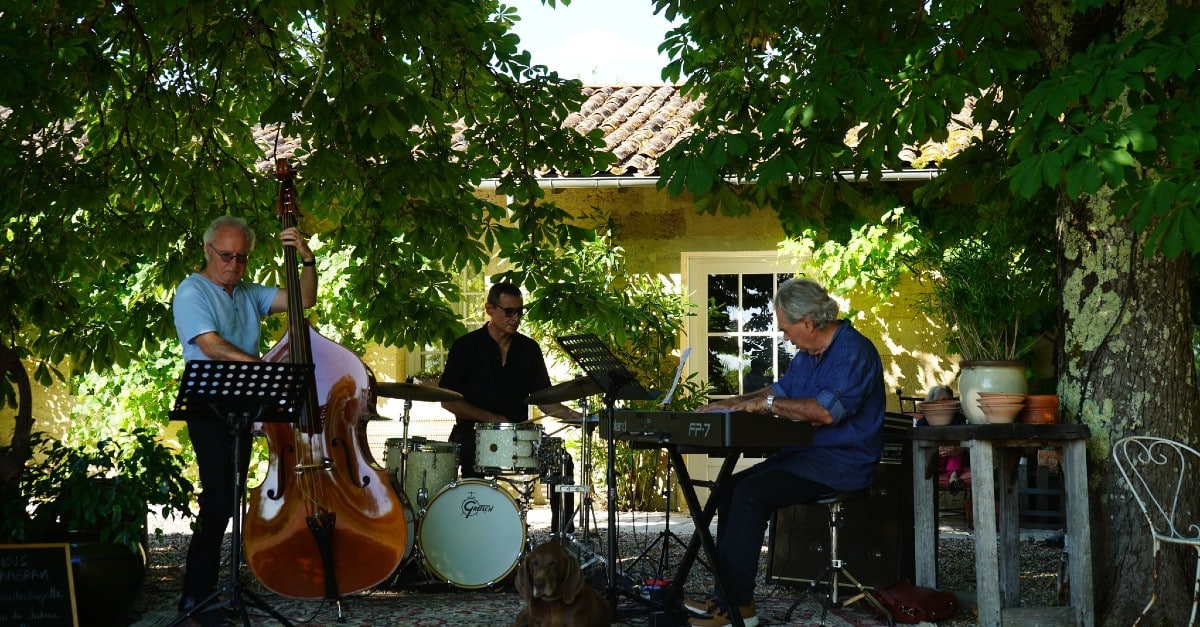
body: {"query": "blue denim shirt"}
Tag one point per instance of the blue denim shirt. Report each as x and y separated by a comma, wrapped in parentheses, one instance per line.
(847, 380)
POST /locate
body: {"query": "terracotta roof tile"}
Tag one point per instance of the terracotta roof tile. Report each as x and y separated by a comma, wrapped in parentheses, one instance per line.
(639, 123)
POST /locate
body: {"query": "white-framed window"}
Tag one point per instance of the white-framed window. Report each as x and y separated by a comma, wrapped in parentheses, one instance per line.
(735, 344)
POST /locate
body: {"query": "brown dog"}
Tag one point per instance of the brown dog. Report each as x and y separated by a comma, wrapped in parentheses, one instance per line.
(551, 583)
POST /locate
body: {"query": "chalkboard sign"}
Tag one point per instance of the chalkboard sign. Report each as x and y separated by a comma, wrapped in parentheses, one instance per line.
(36, 587)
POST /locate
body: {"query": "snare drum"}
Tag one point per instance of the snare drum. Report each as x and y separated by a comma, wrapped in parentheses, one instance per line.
(471, 534)
(507, 447)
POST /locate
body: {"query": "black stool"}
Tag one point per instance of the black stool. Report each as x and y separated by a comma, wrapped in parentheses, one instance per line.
(837, 568)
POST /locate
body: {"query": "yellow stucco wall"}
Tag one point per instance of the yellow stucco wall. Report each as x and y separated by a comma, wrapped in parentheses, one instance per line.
(51, 405)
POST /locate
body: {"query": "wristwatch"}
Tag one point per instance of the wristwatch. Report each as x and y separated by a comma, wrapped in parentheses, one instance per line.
(770, 402)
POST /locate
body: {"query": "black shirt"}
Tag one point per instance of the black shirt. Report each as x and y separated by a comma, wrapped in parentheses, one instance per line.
(473, 369)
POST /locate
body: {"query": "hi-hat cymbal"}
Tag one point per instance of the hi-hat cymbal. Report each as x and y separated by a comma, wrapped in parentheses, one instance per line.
(591, 420)
(568, 391)
(414, 392)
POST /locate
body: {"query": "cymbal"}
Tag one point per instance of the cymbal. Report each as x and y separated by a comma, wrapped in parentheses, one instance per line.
(591, 420)
(568, 391)
(414, 392)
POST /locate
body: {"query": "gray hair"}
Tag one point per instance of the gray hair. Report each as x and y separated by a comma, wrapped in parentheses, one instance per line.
(804, 298)
(939, 392)
(228, 221)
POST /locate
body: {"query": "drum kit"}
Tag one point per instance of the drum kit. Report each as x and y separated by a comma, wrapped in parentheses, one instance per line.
(471, 533)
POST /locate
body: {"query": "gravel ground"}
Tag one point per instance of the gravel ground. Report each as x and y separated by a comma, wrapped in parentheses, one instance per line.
(1040, 561)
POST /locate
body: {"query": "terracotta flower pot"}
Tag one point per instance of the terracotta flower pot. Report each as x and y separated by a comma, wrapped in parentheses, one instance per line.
(1041, 401)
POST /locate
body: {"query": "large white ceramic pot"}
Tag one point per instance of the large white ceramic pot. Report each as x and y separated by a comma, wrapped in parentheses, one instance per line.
(988, 376)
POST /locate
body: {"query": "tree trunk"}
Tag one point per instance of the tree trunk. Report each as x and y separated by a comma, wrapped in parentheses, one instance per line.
(1126, 368)
(12, 461)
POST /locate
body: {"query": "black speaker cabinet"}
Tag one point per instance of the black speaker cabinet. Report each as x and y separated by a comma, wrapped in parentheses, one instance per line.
(875, 540)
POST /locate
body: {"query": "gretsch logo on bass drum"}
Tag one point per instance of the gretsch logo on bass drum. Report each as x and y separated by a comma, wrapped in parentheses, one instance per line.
(471, 506)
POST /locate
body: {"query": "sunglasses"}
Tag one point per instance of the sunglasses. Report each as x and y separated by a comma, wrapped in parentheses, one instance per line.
(227, 257)
(510, 311)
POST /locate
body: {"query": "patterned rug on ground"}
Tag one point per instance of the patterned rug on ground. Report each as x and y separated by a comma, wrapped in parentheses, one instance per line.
(411, 598)
(497, 608)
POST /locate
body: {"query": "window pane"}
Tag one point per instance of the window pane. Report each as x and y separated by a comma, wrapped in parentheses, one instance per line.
(783, 356)
(757, 292)
(722, 303)
(758, 369)
(723, 362)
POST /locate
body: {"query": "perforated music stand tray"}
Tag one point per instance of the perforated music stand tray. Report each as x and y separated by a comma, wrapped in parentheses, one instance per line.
(259, 391)
(603, 367)
(238, 393)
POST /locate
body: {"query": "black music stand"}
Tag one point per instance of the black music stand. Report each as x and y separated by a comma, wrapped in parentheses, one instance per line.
(239, 393)
(617, 383)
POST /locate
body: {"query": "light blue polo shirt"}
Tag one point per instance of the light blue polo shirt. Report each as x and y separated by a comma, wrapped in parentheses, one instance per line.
(201, 306)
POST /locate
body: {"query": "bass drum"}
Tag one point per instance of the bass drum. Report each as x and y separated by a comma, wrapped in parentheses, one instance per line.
(472, 534)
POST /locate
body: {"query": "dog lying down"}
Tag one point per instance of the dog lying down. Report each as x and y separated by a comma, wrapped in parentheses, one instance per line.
(551, 583)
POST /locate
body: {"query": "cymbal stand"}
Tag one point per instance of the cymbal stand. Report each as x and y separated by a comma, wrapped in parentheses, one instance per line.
(587, 516)
(587, 513)
(404, 448)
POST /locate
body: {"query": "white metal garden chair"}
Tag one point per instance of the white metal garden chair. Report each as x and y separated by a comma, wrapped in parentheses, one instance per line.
(1156, 470)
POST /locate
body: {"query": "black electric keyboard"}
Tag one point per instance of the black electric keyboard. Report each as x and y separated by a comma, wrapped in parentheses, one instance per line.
(707, 430)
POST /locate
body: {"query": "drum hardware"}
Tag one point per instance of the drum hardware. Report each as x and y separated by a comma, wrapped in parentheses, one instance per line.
(580, 547)
(400, 460)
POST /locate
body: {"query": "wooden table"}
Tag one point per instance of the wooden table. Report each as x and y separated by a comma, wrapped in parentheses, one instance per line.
(995, 452)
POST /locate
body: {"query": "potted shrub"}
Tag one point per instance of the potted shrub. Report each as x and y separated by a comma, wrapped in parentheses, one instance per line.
(988, 291)
(96, 497)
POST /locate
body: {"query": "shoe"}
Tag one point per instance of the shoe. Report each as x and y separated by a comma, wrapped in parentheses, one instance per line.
(190, 600)
(699, 607)
(719, 617)
(957, 485)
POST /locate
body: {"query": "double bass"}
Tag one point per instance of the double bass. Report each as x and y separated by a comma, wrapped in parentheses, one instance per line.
(325, 521)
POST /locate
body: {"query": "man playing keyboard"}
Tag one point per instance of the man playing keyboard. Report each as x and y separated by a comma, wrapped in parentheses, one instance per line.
(835, 382)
